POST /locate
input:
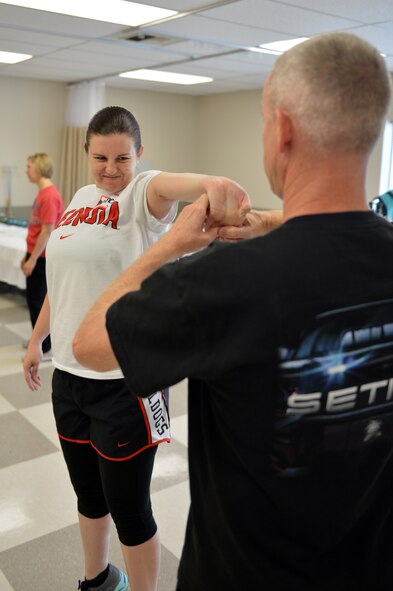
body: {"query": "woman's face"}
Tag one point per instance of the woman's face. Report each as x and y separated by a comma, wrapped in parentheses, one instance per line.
(31, 172)
(112, 160)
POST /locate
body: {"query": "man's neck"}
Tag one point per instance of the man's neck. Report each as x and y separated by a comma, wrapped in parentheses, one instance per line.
(325, 186)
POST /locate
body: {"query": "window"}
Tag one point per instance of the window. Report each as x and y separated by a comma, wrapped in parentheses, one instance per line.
(386, 178)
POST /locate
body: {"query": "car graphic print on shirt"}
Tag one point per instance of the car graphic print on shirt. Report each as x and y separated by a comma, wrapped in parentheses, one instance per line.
(336, 386)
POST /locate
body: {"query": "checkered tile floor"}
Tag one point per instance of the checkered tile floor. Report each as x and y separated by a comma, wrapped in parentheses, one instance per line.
(39, 540)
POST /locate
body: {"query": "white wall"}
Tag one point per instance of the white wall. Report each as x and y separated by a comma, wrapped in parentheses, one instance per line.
(31, 120)
(169, 126)
(231, 143)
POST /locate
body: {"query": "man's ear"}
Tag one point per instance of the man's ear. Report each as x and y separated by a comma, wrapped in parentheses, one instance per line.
(284, 130)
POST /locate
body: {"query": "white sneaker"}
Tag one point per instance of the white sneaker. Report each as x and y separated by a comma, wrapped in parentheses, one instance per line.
(47, 356)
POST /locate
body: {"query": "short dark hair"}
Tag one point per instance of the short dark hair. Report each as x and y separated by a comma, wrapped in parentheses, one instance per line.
(110, 120)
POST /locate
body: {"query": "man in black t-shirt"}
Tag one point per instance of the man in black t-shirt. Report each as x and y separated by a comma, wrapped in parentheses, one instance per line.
(287, 341)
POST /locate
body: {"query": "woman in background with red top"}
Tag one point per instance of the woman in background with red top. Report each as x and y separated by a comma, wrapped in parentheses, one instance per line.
(47, 209)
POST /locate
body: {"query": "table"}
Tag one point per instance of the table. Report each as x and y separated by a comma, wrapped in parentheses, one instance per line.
(12, 249)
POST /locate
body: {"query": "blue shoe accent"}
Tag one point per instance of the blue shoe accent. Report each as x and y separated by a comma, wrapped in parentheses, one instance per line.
(123, 583)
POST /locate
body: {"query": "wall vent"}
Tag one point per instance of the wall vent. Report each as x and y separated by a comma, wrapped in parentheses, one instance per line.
(139, 37)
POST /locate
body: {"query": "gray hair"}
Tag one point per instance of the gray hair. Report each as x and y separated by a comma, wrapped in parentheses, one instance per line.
(337, 87)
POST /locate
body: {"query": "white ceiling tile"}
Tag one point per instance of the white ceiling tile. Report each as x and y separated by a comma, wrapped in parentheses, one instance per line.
(22, 47)
(196, 48)
(34, 37)
(378, 35)
(138, 52)
(267, 14)
(216, 67)
(363, 11)
(213, 31)
(41, 21)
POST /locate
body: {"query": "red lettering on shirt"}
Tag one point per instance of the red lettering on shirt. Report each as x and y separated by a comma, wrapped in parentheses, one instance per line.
(92, 215)
(113, 216)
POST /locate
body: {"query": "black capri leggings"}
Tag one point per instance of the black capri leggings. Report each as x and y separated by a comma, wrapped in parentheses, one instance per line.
(119, 488)
(35, 295)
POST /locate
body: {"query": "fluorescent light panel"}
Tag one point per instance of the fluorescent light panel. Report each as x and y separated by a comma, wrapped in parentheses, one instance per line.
(122, 12)
(261, 50)
(8, 57)
(161, 76)
(278, 47)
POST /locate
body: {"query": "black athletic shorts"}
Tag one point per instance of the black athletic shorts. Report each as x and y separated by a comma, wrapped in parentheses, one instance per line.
(106, 415)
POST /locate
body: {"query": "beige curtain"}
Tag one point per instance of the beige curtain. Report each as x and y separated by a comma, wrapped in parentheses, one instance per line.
(74, 170)
(84, 99)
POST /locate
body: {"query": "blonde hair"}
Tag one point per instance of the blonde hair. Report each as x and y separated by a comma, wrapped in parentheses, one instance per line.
(43, 164)
(337, 87)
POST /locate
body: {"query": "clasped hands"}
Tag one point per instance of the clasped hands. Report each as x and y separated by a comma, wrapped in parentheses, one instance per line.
(223, 212)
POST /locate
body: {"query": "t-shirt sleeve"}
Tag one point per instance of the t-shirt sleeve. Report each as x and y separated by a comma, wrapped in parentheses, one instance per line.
(153, 334)
(188, 320)
(157, 227)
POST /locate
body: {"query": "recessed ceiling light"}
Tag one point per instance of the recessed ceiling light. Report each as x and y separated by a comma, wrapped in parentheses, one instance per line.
(122, 12)
(278, 47)
(8, 57)
(261, 50)
(170, 77)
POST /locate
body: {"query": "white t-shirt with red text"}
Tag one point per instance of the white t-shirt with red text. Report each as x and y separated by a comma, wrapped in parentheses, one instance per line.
(99, 235)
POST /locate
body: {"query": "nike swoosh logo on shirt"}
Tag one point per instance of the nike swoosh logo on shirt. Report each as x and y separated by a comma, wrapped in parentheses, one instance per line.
(123, 444)
(65, 236)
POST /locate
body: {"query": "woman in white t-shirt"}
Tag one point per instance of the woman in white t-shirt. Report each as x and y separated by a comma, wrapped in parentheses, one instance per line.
(108, 435)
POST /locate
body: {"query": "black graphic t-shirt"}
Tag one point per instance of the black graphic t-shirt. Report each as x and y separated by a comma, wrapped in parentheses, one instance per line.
(287, 341)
